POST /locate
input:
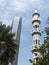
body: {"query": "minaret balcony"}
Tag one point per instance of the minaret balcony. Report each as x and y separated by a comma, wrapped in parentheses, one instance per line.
(36, 20)
(36, 13)
(34, 49)
(36, 31)
(37, 56)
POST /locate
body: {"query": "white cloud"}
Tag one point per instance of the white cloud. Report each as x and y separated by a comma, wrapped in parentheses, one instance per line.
(22, 5)
(17, 6)
(8, 7)
(5, 17)
(1, 1)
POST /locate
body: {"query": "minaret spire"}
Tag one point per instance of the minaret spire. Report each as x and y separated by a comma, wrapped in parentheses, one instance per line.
(36, 33)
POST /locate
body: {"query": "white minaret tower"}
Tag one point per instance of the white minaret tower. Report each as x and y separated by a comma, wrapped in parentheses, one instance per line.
(36, 33)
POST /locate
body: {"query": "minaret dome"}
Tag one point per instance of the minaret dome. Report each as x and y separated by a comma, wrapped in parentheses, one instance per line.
(36, 13)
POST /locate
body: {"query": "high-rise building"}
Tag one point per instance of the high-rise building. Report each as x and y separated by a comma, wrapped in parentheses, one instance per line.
(36, 33)
(16, 28)
(0, 23)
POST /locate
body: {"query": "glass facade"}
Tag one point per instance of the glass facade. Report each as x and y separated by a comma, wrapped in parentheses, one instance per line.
(16, 28)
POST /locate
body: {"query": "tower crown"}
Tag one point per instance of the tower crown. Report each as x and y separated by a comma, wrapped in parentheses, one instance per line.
(36, 13)
(36, 19)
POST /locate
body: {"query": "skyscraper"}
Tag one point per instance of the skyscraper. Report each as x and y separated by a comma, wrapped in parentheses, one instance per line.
(36, 33)
(16, 28)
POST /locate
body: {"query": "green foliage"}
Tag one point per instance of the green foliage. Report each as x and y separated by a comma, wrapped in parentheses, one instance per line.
(7, 45)
(44, 49)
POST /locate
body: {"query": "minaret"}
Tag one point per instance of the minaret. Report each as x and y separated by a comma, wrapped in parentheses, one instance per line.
(36, 33)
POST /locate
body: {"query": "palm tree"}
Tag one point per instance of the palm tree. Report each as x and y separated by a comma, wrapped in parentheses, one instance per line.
(7, 45)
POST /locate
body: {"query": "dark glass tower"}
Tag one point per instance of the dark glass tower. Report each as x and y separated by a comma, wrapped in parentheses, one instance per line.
(16, 28)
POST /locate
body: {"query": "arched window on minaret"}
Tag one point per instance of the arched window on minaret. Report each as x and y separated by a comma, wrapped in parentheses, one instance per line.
(36, 41)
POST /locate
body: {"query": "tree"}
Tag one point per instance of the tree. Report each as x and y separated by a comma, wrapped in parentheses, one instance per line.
(7, 45)
(44, 49)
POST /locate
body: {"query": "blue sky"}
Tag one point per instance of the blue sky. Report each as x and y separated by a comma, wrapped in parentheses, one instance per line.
(24, 9)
